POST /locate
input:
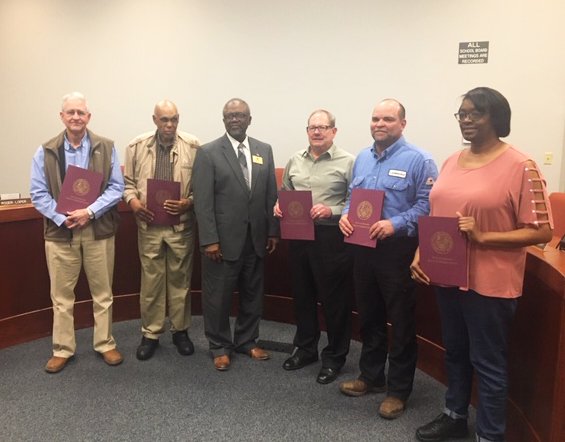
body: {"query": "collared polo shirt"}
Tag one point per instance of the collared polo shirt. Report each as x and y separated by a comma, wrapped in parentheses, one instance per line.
(327, 177)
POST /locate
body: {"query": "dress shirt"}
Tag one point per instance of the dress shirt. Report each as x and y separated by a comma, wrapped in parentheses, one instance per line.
(406, 174)
(163, 160)
(45, 203)
(327, 177)
(246, 151)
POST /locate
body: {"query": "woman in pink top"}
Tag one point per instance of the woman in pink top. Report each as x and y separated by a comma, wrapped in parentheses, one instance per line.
(499, 196)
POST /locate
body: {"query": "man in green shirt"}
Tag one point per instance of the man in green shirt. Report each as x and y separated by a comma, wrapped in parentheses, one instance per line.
(321, 269)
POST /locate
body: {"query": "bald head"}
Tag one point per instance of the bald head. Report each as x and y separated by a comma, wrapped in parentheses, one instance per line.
(164, 106)
(387, 123)
(396, 104)
(236, 102)
(166, 118)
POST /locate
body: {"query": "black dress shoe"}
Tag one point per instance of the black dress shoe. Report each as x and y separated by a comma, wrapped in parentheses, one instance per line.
(441, 428)
(147, 348)
(183, 343)
(299, 360)
(327, 375)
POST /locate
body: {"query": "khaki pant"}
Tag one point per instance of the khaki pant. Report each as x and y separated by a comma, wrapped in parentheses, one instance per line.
(64, 261)
(166, 270)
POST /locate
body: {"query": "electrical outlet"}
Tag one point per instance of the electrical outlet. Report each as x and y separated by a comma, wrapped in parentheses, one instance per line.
(548, 158)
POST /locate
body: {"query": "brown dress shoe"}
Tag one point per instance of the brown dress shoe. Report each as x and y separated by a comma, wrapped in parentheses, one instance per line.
(56, 364)
(259, 354)
(222, 362)
(112, 357)
(392, 407)
(358, 387)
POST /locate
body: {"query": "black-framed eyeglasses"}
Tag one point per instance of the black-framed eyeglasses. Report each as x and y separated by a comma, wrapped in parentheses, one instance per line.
(240, 116)
(319, 128)
(472, 116)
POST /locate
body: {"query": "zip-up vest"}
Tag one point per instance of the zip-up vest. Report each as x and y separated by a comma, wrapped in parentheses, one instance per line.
(100, 161)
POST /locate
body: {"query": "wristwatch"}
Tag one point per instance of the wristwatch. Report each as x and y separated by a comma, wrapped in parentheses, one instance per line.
(90, 213)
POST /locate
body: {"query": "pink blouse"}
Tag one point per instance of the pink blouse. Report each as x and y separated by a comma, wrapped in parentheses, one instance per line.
(501, 197)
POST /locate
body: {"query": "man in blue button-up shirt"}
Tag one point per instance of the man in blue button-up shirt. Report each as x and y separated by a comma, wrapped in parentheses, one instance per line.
(383, 287)
(82, 237)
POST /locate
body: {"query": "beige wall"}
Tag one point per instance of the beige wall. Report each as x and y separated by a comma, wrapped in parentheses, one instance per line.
(284, 58)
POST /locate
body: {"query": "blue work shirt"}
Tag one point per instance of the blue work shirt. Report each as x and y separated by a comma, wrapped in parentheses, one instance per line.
(406, 174)
(45, 203)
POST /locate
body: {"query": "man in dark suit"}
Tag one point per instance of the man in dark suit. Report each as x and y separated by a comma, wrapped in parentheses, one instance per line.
(234, 193)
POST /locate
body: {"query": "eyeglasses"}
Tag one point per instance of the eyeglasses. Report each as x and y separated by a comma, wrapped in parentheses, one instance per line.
(71, 112)
(472, 116)
(240, 116)
(319, 128)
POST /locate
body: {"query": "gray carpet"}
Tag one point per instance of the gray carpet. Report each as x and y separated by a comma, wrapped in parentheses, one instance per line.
(179, 398)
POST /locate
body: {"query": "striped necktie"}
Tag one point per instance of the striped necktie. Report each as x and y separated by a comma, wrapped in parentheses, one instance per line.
(243, 163)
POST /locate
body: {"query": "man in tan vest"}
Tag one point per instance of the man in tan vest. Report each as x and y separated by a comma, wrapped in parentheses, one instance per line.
(82, 237)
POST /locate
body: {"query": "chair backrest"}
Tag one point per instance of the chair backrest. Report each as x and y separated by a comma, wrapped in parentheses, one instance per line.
(279, 174)
(557, 201)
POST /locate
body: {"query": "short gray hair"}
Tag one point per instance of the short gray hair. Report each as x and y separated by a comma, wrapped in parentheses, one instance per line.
(330, 116)
(74, 96)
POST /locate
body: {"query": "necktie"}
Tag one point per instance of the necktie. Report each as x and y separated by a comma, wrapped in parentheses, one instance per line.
(243, 163)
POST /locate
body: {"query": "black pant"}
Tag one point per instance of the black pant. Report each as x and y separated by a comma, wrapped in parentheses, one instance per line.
(385, 292)
(322, 271)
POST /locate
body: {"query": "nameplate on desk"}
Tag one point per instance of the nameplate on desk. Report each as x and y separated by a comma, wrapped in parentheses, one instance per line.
(15, 202)
(365, 209)
(159, 191)
(296, 222)
(81, 187)
(444, 251)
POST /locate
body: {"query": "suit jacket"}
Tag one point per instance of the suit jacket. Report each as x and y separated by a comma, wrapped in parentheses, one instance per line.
(225, 207)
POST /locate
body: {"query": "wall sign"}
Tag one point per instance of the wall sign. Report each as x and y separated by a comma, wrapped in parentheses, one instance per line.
(473, 52)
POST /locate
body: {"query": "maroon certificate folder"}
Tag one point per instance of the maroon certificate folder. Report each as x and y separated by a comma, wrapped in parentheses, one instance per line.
(81, 187)
(443, 251)
(296, 222)
(158, 191)
(365, 209)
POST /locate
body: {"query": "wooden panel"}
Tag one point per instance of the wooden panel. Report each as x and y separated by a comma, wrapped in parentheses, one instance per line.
(24, 285)
(537, 346)
(534, 350)
(38, 323)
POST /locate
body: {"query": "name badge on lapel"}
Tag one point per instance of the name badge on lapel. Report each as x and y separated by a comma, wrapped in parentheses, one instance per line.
(397, 173)
(257, 159)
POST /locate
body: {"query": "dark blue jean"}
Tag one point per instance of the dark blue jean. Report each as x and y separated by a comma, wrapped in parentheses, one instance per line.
(475, 336)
